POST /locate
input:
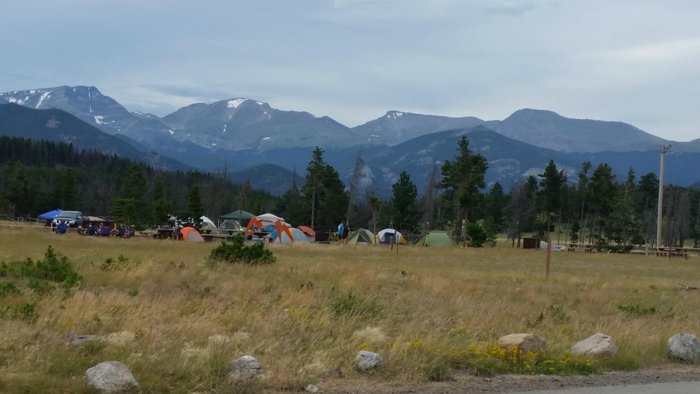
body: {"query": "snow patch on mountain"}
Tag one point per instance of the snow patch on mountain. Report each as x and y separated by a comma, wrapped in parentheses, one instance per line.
(18, 101)
(43, 97)
(99, 119)
(235, 102)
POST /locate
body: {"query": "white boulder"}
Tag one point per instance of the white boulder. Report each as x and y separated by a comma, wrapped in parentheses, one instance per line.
(110, 377)
(684, 347)
(366, 361)
(244, 368)
(598, 345)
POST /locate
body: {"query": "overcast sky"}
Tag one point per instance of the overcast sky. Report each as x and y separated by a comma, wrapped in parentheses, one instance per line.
(633, 61)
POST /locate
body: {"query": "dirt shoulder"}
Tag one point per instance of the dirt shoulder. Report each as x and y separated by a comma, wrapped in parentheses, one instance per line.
(464, 383)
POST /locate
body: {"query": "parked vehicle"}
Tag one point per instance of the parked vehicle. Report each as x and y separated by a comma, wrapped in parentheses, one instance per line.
(72, 218)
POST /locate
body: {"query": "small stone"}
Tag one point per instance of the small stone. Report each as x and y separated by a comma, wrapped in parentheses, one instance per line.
(366, 361)
(598, 345)
(526, 343)
(244, 368)
(684, 347)
(110, 377)
(312, 388)
(77, 340)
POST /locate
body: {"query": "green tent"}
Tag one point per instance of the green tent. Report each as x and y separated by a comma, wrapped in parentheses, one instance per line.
(436, 239)
(240, 215)
(361, 237)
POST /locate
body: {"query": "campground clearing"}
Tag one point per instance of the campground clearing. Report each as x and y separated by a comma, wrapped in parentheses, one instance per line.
(305, 316)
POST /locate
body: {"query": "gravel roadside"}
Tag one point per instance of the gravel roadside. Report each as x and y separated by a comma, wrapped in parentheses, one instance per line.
(464, 383)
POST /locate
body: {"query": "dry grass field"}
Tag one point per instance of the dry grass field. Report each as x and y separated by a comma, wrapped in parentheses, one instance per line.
(308, 314)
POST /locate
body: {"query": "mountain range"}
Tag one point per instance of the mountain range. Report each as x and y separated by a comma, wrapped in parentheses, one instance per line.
(239, 134)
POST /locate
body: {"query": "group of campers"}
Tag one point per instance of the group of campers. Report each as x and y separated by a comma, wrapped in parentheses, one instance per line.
(98, 230)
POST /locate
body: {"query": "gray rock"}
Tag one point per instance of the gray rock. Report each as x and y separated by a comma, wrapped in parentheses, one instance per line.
(110, 377)
(598, 345)
(244, 368)
(526, 343)
(79, 339)
(684, 347)
(312, 388)
(366, 361)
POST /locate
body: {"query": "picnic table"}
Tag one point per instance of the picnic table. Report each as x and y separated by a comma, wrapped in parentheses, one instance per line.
(672, 251)
(578, 247)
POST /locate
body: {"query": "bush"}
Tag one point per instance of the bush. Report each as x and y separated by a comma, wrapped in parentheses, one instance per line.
(477, 234)
(7, 289)
(352, 305)
(492, 359)
(237, 252)
(636, 310)
(54, 267)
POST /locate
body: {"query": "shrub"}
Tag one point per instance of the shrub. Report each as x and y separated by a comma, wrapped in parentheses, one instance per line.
(352, 305)
(7, 289)
(636, 310)
(237, 252)
(54, 267)
(492, 359)
(25, 312)
(121, 263)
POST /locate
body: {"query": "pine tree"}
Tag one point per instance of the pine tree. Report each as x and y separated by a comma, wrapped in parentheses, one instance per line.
(462, 180)
(403, 202)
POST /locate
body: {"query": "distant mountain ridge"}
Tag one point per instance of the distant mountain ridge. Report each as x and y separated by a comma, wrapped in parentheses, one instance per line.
(59, 126)
(243, 124)
(240, 124)
(244, 135)
(396, 127)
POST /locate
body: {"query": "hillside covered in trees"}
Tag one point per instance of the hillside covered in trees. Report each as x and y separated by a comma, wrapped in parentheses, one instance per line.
(595, 208)
(38, 176)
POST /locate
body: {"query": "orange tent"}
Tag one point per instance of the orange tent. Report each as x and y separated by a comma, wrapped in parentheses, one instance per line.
(252, 222)
(191, 234)
(282, 228)
(308, 231)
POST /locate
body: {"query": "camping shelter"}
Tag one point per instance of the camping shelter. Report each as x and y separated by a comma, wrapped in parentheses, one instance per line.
(230, 224)
(206, 222)
(390, 236)
(436, 239)
(270, 218)
(308, 231)
(191, 234)
(361, 236)
(298, 236)
(240, 215)
(50, 215)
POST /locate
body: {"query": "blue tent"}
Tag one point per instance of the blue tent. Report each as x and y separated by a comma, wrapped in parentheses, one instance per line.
(50, 215)
(297, 234)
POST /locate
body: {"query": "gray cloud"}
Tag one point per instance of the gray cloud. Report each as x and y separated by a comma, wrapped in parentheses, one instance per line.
(632, 61)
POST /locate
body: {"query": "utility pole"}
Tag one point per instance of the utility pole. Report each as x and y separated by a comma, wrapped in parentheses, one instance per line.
(659, 215)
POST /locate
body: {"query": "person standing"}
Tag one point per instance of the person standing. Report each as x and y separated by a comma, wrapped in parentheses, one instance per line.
(341, 231)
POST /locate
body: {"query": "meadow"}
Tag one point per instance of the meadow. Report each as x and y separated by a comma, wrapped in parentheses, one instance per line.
(427, 311)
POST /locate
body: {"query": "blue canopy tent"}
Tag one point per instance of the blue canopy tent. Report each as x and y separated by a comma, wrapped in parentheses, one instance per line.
(50, 215)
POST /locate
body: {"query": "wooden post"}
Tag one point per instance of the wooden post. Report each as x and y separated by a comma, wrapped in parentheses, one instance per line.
(549, 249)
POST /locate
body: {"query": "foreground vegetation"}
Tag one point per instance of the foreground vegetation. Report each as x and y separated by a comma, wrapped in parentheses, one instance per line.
(427, 311)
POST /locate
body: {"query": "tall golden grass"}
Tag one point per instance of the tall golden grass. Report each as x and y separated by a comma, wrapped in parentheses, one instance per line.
(312, 310)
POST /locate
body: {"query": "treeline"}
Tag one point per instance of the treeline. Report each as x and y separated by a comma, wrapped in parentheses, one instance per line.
(38, 176)
(593, 208)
